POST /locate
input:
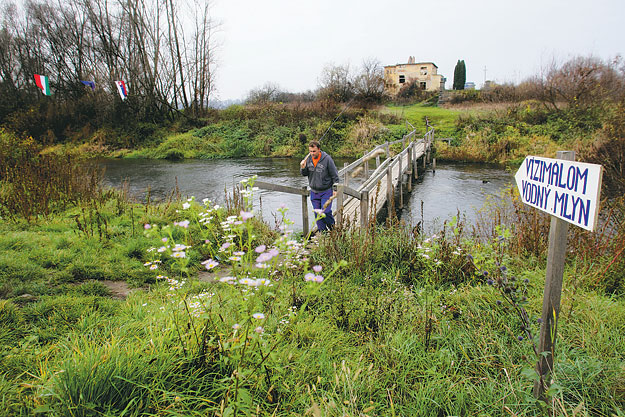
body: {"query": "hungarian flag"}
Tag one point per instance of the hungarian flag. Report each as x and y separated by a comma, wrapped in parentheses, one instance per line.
(43, 83)
(121, 87)
(89, 84)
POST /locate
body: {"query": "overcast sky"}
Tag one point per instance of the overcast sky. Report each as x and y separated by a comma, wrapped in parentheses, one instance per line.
(288, 42)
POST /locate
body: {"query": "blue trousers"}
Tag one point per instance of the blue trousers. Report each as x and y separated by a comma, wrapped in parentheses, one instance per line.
(318, 200)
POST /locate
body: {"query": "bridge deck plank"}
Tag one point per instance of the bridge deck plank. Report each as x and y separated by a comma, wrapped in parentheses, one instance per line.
(377, 198)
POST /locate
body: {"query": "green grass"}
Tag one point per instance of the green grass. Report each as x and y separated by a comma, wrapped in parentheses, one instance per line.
(377, 338)
(128, 358)
(444, 120)
(394, 332)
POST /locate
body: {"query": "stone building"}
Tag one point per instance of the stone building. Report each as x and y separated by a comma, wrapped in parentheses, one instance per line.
(423, 73)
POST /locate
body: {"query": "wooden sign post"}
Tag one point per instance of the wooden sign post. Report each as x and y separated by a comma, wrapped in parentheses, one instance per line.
(569, 191)
(556, 256)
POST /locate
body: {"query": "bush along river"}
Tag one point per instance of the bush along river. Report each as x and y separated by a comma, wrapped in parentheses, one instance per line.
(436, 197)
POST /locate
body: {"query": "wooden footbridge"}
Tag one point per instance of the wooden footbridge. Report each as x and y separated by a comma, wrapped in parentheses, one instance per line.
(384, 184)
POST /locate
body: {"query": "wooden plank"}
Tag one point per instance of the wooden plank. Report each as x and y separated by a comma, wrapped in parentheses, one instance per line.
(400, 185)
(389, 186)
(281, 188)
(351, 192)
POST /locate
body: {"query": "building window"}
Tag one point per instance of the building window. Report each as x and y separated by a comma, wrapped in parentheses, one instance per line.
(424, 70)
(402, 79)
(422, 85)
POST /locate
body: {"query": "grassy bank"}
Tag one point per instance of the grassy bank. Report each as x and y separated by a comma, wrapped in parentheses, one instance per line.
(501, 133)
(379, 322)
(275, 130)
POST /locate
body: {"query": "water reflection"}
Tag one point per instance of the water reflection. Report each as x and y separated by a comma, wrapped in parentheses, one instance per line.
(453, 188)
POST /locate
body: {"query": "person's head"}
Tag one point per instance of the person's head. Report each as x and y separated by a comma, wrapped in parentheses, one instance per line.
(314, 148)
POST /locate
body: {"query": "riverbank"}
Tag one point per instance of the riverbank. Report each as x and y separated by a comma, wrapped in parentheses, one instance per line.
(503, 134)
(270, 130)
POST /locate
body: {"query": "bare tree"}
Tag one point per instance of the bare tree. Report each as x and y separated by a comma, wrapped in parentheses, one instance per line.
(369, 83)
(579, 83)
(203, 61)
(336, 83)
(163, 49)
(269, 92)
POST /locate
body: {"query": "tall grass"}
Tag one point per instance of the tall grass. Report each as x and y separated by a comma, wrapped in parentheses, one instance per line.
(35, 184)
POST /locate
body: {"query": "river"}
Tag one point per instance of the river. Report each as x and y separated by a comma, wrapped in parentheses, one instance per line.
(452, 187)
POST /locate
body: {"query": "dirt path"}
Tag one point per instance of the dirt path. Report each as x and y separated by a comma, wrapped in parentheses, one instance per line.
(119, 289)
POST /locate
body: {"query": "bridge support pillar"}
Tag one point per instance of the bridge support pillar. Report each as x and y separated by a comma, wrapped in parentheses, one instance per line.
(415, 168)
(389, 189)
(340, 196)
(305, 228)
(364, 208)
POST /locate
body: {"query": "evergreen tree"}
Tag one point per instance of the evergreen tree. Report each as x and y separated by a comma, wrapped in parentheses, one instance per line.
(460, 75)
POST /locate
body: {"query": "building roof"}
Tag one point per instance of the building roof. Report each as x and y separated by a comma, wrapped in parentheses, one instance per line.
(416, 63)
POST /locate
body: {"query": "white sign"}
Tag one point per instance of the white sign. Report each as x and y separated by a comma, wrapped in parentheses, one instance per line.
(566, 189)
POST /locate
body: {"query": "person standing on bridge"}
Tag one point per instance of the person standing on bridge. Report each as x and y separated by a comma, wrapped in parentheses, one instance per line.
(322, 174)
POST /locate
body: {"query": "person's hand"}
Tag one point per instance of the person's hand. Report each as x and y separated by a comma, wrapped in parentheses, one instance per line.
(303, 163)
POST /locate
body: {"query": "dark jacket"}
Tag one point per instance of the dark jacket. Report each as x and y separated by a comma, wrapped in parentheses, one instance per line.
(323, 176)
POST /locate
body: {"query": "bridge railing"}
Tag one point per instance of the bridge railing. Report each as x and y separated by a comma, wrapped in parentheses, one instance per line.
(382, 170)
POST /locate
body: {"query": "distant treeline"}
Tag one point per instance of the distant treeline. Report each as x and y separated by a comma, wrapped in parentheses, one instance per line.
(164, 51)
(581, 82)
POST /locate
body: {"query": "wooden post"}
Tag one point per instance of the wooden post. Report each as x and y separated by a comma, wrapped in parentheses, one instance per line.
(346, 175)
(551, 298)
(364, 208)
(400, 184)
(410, 166)
(434, 165)
(366, 168)
(305, 228)
(339, 203)
(389, 187)
(388, 150)
(377, 161)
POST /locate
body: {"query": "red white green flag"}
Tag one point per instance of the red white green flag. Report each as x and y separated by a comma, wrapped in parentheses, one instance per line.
(43, 83)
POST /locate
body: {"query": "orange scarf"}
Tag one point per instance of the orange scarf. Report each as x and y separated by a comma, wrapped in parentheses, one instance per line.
(316, 160)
